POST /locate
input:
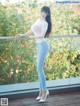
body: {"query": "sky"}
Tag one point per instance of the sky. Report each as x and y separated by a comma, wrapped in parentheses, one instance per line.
(11, 1)
(16, 1)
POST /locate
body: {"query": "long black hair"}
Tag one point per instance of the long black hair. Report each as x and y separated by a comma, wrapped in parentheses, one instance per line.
(46, 9)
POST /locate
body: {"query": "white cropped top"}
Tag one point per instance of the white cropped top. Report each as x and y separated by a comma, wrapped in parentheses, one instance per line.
(39, 27)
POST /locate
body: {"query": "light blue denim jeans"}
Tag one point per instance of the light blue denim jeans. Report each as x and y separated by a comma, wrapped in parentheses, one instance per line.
(42, 50)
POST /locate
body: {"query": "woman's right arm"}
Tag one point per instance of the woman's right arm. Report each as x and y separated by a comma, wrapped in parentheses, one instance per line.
(26, 34)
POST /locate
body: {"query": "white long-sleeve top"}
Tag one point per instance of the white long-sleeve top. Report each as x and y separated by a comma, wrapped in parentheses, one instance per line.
(39, 28)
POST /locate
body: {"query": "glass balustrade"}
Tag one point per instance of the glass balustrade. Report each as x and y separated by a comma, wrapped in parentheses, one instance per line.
(18, 60)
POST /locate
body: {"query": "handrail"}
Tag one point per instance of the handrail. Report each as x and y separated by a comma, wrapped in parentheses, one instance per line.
(14, 37)
(60, 36)
(22, 37)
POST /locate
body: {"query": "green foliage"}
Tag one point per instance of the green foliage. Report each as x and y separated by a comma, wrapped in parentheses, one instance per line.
(11, 22)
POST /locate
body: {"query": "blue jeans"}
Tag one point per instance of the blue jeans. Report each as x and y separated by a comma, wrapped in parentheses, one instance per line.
(42, 50)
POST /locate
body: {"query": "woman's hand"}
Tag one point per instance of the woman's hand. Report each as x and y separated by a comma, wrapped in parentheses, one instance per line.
(19, 35)
(31, 36)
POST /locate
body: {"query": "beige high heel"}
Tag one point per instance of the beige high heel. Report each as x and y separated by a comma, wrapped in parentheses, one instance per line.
(38, 98)
(43, 100)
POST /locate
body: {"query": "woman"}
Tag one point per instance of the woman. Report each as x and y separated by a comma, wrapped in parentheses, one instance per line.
(41, 29)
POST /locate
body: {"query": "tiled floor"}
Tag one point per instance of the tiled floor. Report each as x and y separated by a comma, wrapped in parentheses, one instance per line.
(70, 99)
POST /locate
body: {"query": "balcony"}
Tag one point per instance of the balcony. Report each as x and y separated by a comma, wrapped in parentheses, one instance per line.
(69, 99)
(18, 77)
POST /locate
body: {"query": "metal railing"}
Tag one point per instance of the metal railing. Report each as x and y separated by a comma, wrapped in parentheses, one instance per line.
(23, 37)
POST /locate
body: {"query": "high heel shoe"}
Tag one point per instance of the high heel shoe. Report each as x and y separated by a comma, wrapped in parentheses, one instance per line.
(38, 98)
(43, 100)
(40, 94)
